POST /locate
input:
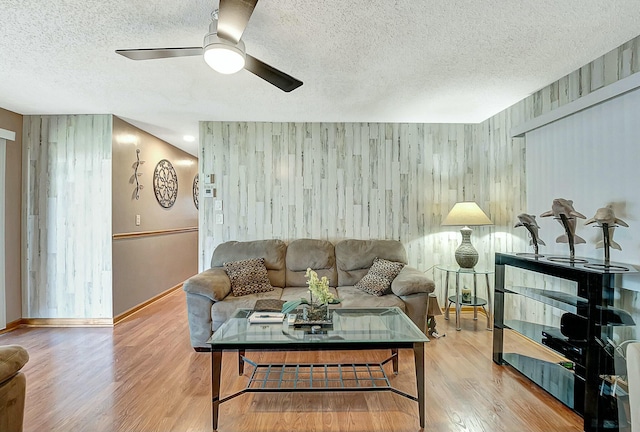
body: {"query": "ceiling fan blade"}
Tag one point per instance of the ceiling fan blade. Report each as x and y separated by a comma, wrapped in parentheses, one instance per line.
(233, 16)
(158, 53)
(270, 74)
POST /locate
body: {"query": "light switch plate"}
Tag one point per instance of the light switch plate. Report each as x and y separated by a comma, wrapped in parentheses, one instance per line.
(219, 219)
(218, 205)
(137, 220)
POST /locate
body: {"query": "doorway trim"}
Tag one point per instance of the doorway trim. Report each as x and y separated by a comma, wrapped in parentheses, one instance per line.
(4, 136)
(3, 180)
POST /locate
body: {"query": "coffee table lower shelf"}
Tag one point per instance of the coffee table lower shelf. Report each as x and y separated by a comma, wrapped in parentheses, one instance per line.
(318, 377)
(354, 329)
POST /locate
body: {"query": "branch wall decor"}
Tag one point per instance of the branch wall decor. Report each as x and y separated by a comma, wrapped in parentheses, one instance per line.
(136, 174)
(165, 183)
(196, 190)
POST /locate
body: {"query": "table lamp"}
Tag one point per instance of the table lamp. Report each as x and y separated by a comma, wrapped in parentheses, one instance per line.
(466, 213)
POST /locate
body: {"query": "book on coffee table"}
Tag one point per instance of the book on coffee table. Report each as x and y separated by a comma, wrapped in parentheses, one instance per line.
(265, 317)
(268, 305)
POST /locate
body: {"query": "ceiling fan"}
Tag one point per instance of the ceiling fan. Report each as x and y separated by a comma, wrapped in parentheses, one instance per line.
(223, 48)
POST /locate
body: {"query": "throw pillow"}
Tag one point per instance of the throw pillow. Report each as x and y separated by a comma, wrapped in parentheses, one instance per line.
(378, 280)
(248, 276)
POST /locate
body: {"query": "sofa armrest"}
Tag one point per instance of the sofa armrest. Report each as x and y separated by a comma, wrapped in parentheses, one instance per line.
(415, 306)
(412, 281)
(12, 358)
(213, 284)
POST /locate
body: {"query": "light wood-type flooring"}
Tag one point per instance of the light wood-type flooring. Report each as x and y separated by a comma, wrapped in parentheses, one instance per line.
(143, 375)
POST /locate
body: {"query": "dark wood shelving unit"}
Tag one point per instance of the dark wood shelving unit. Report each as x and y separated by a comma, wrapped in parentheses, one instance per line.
(582, 389)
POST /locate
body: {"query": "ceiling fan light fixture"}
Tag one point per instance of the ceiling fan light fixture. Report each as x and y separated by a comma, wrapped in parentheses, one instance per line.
(225, 53)
(223, 56)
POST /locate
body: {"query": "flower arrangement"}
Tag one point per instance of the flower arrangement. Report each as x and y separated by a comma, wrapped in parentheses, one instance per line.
(318, 287)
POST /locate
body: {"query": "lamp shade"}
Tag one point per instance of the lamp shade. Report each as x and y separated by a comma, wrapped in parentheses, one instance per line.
(466, 214)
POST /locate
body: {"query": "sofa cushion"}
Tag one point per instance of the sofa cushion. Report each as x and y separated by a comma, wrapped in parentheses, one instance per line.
(319, 255)
(248, 276)
(355, 257)
(273, 252)
(352, 297)
(411, 281)
(378, 279)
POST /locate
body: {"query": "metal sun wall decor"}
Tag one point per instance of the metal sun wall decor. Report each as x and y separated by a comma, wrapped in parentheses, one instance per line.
(195, 190)
(165, 183)
(136, 174)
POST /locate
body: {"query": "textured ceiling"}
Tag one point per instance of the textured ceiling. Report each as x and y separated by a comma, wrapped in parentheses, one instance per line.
(361, 60)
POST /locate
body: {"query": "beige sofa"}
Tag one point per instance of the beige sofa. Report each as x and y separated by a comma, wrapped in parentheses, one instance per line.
(210, 303)
(12, 387)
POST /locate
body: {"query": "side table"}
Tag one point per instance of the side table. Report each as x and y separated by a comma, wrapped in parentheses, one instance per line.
(475, 300)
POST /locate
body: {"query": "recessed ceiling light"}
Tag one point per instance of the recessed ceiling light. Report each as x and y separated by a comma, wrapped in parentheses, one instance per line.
(126, 139)
(189, 138)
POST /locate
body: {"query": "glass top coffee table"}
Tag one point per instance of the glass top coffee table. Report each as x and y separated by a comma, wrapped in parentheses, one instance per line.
(352, 329)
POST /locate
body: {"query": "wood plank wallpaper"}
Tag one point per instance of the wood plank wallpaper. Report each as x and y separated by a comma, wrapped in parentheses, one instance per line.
(357, 180)
(67, 160)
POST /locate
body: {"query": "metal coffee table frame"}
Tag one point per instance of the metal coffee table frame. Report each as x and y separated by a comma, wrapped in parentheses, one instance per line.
(316, 377)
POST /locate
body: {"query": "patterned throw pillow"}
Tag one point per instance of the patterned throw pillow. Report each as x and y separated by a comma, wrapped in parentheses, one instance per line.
(248, 276)
(378, 280)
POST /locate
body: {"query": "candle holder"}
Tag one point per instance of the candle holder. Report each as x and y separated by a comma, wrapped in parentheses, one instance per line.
(466, 295)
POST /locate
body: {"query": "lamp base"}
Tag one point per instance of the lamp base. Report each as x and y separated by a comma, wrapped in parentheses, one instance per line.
(466, 255)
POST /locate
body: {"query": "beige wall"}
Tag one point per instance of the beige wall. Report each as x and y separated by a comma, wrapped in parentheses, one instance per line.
(144, 267)
(13, 207)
